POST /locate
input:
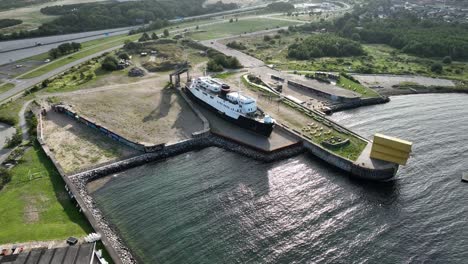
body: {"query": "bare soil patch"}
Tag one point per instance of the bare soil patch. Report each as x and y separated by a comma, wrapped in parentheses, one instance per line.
(143, 112)
(77, 146)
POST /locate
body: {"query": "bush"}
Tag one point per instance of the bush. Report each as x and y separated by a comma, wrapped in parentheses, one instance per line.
(324, 45)
(9, 22)
(31, 121)
(110, 63)
(447, 60)
(14, 141)
(124, 56)
(212, 66)
(236, 45)
(437, 68)
(5, 177)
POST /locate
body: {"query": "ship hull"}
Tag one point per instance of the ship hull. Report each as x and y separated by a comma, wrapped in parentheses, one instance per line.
(247, 123)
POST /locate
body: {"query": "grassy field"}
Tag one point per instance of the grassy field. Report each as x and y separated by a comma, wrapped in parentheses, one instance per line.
(73, 57)
(236, 28)
(38, 208)
(378, 59)
(31, 15)
(92, 47)
(356, 87)
(6, 86)
(11, 109)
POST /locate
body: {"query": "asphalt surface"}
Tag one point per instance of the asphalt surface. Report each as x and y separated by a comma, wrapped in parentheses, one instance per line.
(23, 84)
(15, 50)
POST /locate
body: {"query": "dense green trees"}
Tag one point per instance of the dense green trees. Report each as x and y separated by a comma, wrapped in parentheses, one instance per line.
(280, 7)
(236, 45)
(219, 61)
(144, 37)
(112, 14)
(9, 22)
(324, 45)
(64, 49)
(110, 63)
(403, 31)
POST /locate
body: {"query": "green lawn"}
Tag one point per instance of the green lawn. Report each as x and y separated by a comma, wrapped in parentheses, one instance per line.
(91, 47)
(38, 208)
(73, 57)
(240, 27)
(356, 87)
(6, 86)
(10, 110)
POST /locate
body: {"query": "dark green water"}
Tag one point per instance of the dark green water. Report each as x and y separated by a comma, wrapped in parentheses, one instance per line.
(213, 206)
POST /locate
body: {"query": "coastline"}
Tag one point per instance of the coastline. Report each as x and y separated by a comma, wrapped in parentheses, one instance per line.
(388, 93)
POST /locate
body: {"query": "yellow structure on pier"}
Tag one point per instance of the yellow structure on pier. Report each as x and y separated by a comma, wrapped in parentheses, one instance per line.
(391, 149)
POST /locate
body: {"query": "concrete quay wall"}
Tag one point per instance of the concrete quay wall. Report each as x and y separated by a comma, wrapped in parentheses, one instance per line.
(76, 183)
(344, 164)
(359, 103)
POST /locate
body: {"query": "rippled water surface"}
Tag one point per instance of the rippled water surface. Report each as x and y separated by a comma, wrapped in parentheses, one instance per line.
(213, 206)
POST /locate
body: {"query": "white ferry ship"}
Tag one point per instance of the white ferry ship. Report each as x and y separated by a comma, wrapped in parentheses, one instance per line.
(233, 106)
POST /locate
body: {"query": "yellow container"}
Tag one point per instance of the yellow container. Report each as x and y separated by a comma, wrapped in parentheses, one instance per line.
(389, 158)
(393, 143)
(390, 151)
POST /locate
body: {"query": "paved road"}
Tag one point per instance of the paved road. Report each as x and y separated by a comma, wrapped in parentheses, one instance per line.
(23, 84)
(24, 52)
(27, 47)
(246, 60)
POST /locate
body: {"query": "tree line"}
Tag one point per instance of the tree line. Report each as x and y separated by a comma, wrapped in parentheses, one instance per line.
(218, 61)
(9, 22)
(106, 15)
(324, 45)
(403, 31)
(64, 49)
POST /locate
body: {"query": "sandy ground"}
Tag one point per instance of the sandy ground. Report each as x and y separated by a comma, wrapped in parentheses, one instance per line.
(143, 112)
(383, 83)
(77, 146)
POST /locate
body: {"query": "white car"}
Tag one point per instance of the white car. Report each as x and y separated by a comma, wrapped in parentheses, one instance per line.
(47, 61)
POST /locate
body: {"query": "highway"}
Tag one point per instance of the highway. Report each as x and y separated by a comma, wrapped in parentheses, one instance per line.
(23, 84)
(14, 50)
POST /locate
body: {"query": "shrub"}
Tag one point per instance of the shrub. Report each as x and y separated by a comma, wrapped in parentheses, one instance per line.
(14, 141)
(110, 63)
(437, 68)
(124, 56)
(212, 66)
(447, 60)
(5, 177)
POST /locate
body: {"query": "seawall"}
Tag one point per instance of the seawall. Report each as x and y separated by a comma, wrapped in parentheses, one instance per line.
(76, 184)
(359, 103)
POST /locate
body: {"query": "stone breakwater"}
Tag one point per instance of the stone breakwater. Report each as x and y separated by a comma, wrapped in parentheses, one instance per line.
(115, 245)
(362, 102)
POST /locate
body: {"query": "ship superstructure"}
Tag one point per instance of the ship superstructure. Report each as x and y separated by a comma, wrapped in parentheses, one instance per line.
(232, 105)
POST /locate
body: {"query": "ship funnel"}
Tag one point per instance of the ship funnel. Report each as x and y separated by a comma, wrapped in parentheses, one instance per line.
(225, 89)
